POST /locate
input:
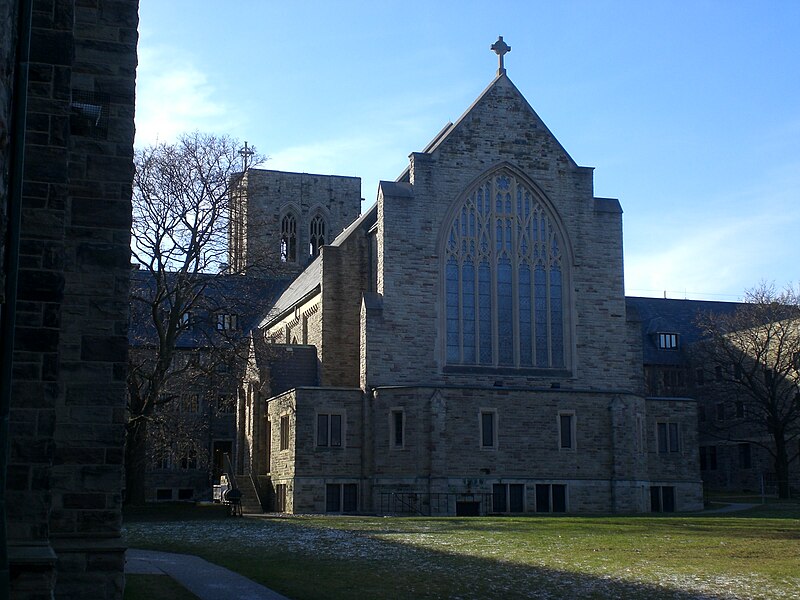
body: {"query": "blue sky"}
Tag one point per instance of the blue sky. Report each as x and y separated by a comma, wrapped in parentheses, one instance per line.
(689, 111)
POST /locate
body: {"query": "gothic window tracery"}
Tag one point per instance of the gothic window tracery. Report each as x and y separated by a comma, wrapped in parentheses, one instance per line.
(316, 235)
(288, 238)
(504, 279)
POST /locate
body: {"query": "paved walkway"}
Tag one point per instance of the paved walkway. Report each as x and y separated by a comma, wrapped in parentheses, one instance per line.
(205, 580)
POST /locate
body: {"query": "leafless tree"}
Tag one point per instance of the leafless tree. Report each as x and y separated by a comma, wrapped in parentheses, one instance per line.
(181, 195)
(751, 358)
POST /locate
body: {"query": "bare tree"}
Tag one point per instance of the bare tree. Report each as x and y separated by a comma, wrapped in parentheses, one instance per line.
(752, 356)
(181, 195)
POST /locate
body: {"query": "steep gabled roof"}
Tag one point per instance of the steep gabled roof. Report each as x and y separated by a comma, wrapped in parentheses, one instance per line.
(306, 285)
(452, 129)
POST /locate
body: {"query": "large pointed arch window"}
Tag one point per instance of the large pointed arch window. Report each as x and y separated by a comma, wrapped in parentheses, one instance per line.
(316, 235)
(504, 279)
(289, 238)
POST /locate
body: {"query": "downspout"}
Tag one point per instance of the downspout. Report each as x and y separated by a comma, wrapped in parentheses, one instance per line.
(19, 105)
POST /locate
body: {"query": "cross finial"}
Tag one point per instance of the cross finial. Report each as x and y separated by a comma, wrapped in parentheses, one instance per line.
(500, 48)
(245, 153)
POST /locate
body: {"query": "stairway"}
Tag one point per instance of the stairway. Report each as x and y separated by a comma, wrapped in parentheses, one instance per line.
(250, 503)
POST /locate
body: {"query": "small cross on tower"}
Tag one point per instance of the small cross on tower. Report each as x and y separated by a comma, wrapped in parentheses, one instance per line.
(245, 153)
(501, 48)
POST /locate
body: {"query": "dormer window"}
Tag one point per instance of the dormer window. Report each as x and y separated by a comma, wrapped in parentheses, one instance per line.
(668, 341)
(226, 322)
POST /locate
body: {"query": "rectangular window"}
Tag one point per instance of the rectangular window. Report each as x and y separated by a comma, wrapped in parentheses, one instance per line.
(226, 322)
(739, 409)
(189, 459)
(280, 497)
(488, 431)
(190, 403)
(720, 411)
(668, 341)
(284, 434)
(662, 498)
(551, 497)
(508, 497)
(329, 430)
(185, 494)
(341, 497)
(699, 377)
(708, 458)
(566, 430)
(186, 320)
(397, 428)
(164, 494)
(745, 459)
(668, 437)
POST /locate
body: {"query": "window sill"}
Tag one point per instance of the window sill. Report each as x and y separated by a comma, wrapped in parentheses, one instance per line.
(520, 371)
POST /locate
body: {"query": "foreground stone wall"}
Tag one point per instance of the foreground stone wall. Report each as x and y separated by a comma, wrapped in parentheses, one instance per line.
(68, 405)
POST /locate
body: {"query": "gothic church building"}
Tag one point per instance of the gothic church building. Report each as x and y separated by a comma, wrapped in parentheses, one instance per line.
(462, 347)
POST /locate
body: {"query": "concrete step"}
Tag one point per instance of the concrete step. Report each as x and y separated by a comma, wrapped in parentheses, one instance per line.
(250, 503)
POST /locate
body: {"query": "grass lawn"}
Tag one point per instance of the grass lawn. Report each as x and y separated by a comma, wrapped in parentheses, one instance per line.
(755, 554)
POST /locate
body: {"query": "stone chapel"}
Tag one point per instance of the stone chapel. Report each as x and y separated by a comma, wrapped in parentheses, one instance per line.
(462, 347)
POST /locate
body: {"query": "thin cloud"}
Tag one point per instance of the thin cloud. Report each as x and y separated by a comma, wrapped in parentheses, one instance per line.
(174, 96)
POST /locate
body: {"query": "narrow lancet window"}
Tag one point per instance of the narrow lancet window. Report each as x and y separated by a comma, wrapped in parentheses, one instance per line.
(316, 235)
(288, 239)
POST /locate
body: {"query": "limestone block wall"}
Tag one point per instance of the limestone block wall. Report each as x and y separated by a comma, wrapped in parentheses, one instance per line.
(305, 467)
(442, 451)
(68, 406)
(344, 279)
(679, 468)
(271, 193)
(499, 129)
(282, 462)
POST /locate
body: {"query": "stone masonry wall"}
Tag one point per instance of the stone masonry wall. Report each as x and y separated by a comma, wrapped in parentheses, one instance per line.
(442, 450)
(68, 404)
(682, 468)
(344, 279)
(271, 193)
(500, 129)
(305, 467)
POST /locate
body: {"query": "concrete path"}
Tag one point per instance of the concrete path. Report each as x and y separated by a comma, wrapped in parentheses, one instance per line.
(205, 580)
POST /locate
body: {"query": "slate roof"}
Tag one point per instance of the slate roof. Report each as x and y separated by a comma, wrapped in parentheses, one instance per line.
(307, 283)
(244, 296)
(667, 315)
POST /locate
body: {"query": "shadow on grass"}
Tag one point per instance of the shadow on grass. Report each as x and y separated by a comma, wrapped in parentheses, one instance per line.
(338, 558)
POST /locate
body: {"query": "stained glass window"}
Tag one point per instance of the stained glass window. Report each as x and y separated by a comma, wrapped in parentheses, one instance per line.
(504, 279)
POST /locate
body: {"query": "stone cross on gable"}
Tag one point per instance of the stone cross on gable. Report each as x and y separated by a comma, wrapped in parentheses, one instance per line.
(501, 49)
